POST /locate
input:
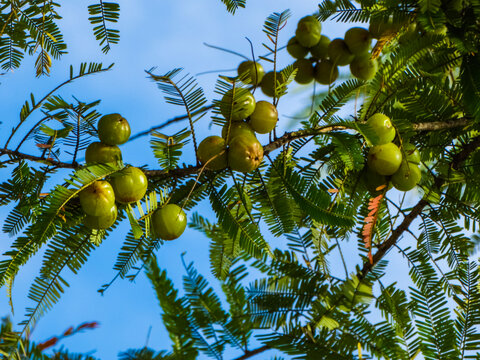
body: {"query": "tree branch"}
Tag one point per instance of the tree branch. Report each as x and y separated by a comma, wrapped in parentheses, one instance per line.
(19, 155)
(461, 156)
(249, 354)
(277, 143)
(392, 240)
(441, 125)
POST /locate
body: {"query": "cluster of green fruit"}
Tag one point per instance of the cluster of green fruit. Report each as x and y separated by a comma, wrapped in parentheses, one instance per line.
(327, 55)
(386, 159)
(129, 185)
(238, 146)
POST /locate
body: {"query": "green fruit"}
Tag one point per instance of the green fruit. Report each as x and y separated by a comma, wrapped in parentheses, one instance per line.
(304, 73)
(373, 180)
(385, 159)
(245, 153)
(411, 153)
(264, 118)
(326, 72)
(407, 176)
(308, 31)
(102, 221)
(130, 185)
(100, 153)
(97, 199)
(237, 128)
(169, 222)
(252, 70)
(320, 51)
(210, 147)
(339, 53)
(295, 49)
(237, 106)
(383, 129)
(113, 129)
(363, 67)
(358, 40)
(267, 85)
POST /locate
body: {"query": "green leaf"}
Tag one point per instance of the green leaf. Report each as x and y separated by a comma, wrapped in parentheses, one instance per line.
(136, 228)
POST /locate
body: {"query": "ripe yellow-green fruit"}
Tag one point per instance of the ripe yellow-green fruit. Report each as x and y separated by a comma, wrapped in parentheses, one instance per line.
(268, 86)
(385, 159)
(383, 128)
(358, 40)
(411, 153)
(130, 185)
(237, 128)
(304, 73)
(97, 199)
(99, 153)
(339, 52)
(264, 118)
(113, 129)
(213, 147)
(308, 31)
(252, 70)
(326, 72)
(295, 49)
(245, 153)
(320, 51)
(169, 222)
(363, 67)
(237, 105)
(103, 221)
(373, 180)
(407, 176)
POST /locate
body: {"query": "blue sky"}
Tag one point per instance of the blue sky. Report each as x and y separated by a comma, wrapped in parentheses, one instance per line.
(166, 35)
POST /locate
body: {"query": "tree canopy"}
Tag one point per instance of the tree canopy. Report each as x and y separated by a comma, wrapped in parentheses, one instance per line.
(383, 163)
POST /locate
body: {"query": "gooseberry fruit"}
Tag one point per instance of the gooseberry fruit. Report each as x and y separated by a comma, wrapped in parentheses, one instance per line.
(373, 180)
(304, 73)
(339, 52)
(100, 153)
(245, 153)
(264, 118)
(358, 40)
(363, 67)
(308, 31)
(213, 146)
(238, 105)
(326, 72)
(407, 176)
(383, 129)
(113, 129)
(169, 222)
(103, 221)
(295, 49)
(268, 86)
(98, 198)
(252, 71)
(411, 153)
(129, 184)
(384, 159)
(320, 50)
(237, 128)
